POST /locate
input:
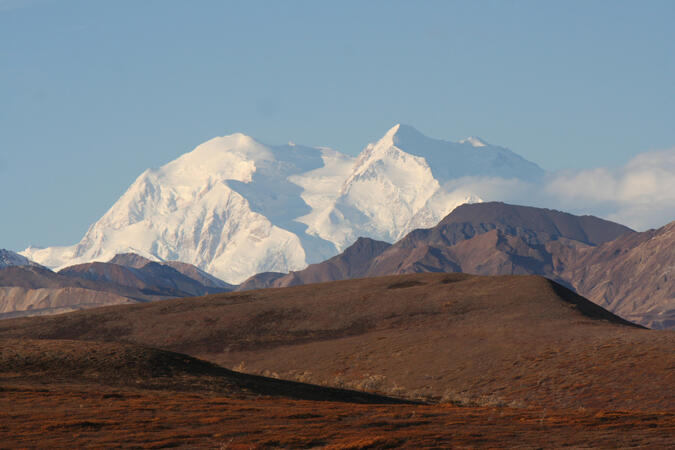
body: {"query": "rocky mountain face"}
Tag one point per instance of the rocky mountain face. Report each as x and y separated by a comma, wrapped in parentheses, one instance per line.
(235, 207)
(152, 279)
(483, 238)
(629, 273)
(633, 276)
(493, 239)
(35, 290)
(138, 262)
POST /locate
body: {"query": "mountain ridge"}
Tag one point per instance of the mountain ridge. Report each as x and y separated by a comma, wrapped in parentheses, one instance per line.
(235, 207)
(36, 290)
(536, 226)
(627, 272)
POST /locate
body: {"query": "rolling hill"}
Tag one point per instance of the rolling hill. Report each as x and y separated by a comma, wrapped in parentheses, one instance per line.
(26, 361)
(519, 340)
(629, 273)
(60, 394)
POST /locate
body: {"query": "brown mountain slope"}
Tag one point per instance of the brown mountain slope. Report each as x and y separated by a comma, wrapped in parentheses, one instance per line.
(138, 262)
(35, 290)
(522, 340)
(351, 263)
(28, 291)
(31, 277)
(633, 276)
(493, 239)
(626, 272)
(150, 279)
(471, 219)
(130, 260)
(197, 274)
(260, 281)
(489, 238)
(19, 302)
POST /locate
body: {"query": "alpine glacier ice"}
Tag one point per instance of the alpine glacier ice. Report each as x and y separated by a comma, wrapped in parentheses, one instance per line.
(235, 207)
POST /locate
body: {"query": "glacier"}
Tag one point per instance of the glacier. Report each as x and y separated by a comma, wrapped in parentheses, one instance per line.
(235, 207)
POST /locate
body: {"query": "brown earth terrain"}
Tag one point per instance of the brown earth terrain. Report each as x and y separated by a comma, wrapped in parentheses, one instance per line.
(56, 394)
(151, 279)
(68, 416)
(56, 362)
(522, 341)
(354, 262)
(631, 274)
(515, 243)
(191, 271)
(35, 290)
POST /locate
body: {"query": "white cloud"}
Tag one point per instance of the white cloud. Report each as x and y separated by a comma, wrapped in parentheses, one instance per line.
(492, 189)
(640, 194)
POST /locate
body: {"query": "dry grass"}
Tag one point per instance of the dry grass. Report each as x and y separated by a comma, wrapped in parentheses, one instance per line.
(57, 362)
(56, 394)
(517, 340)
(94, 416)
(509, 361)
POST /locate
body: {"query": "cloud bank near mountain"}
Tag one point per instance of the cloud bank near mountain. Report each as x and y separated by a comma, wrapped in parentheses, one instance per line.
(639, 194)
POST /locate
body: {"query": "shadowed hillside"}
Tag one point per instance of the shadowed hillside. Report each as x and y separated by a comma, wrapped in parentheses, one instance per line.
(521, 340)
(126, 365)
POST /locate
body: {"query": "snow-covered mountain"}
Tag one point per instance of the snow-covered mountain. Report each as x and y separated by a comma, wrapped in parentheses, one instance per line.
(235, 207)
(9, 258)
(396, 185)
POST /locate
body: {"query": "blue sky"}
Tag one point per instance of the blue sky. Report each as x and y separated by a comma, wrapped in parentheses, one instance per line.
(94, 92)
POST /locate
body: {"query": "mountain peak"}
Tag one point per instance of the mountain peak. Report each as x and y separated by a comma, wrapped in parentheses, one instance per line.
(242, 138)
(390, 134)
(401, 132)
(234, 206)
(402, 136)
(229, 142)
(474, 141)
(130, 260)
(587, 229)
